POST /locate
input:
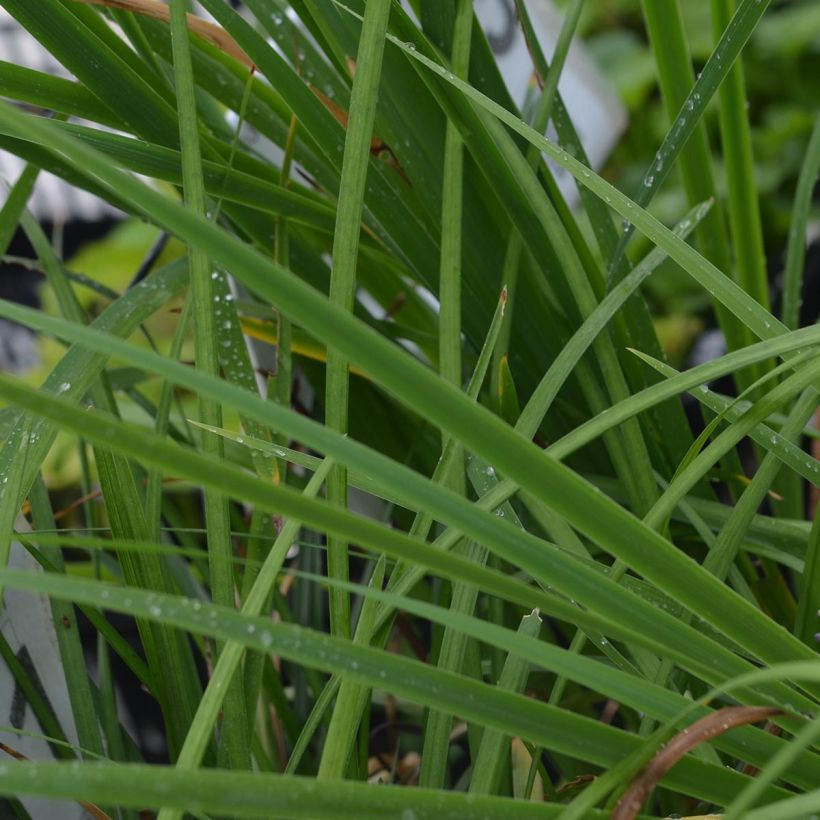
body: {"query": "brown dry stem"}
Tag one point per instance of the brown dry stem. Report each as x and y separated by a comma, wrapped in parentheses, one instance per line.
(681, 744)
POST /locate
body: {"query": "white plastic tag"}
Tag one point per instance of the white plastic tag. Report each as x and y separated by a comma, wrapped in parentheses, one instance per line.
(27, 625)
(53, 200)
(595, 110)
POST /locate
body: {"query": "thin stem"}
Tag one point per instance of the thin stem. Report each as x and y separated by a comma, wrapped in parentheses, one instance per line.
(343, 273)
(217, 515)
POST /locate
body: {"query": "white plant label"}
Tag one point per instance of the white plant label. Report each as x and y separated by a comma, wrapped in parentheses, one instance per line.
(53, 200)
(596, 112)
(27, 626)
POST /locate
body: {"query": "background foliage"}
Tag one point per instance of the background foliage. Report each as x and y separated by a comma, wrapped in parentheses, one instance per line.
(492, 544)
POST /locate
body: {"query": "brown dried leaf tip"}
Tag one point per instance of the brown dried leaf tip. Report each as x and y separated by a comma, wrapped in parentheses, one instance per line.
(214, 34)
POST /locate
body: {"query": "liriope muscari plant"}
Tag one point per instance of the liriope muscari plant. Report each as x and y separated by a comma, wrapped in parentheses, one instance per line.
(388, 555)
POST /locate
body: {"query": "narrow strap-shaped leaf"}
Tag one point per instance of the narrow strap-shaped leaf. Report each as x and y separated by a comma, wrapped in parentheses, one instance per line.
(809, 601)
(676, 77)
(436, 745)
(68, 638)
(720, 62)
(789, 453)
(779, 396)
(796, 252)
(735, 131)
(629, 767)
(487, 767)
(234, 744)
(492, 706)
(55, 93)
(722, 554)
(190, 756)
(166, 649)
(615, 607)
(740, 303)
(15, 204)
(345, 255)
(345, 721)
(625, 688)
(805, 738)
(131, 98)
(563, 365)
(565, 491)
(238, 794)
(159, 162)
(75, 373)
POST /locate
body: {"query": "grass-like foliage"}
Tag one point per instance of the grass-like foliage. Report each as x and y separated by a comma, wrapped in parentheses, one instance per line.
(491, 569)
